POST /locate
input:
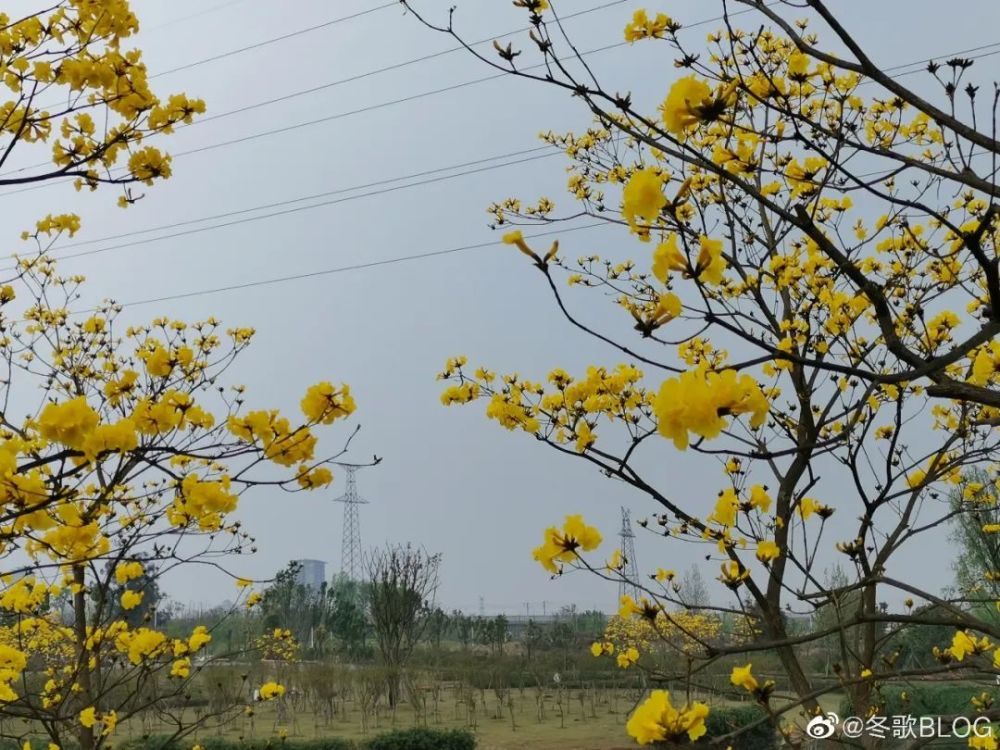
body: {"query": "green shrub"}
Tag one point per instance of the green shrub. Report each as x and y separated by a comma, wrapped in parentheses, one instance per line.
(422, 739)
(723, 720)
(925, 700)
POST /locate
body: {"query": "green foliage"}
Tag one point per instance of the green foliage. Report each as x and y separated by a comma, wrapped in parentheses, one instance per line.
(723, 720)
(927, 700)
(915, 642)
(346, 619)
(328, 619)
(423, 739)
(975, 505)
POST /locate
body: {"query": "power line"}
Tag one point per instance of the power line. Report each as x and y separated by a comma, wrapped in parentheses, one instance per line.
(324, 194)
(345, 269)
(287, 211)
(401, 100)
(360, 76)
(274, 40)
(332, 84)
(286, 128)
(189, 16)
(431, 56)
(231, 53)
(381, 105)
(388, 68)
(421, 95)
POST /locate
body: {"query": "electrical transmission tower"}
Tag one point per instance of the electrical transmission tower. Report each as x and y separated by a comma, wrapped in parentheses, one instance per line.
(628, 585)
(351, 560)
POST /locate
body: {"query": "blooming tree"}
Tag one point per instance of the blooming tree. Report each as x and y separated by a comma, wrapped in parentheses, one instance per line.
(124, 450)
(813, 310)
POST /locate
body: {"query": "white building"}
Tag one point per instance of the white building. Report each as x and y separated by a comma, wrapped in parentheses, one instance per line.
(311, 573)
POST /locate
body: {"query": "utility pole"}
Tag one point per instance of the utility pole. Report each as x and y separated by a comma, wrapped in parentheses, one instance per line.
(628, 584)
(352, 555)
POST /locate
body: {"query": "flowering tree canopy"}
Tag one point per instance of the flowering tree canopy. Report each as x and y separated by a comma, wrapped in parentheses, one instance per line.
(813, 301)
(124, 450)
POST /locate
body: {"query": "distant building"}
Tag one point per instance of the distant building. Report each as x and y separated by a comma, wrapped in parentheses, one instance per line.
(311, 573)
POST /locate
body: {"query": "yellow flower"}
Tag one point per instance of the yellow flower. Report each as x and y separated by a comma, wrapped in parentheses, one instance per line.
(742, 677)
(698, 399)
(711, 264)
(681, 109)
(644, 27)
(148, 164)
(88, 717)
(318, 477)
(983, 741)
(200, 637)
(668, 307)
(657, 720)
(665, 575)
(562, 545)
(131, 599)
(119, 437)
(668, 257)
(585, 436)
(807, 506)
(798, 66)
(324, 403)
(159, 363)
(141, 644)
(94, 324)
(643, 198)
(628, 657)
(181, 668)
(768, 551)
(516, 238)
(127, 571)
(726, 508)
(69, 423)
(964, 644)
(759, 498)
(271, 690)
(615, 563)
(110, 721)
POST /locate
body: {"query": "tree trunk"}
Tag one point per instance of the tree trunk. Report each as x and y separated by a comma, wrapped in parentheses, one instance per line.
(85, 735)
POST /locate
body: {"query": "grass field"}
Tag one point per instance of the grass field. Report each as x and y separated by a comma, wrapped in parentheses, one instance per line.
(572, 720)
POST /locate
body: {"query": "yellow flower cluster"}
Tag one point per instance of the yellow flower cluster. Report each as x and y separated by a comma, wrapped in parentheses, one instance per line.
(278, 644)
(77, 48)
(271, 690)
(281, 443)
(644, 27)
(13, 662)
(324, 403)
(657, 720)
(646, 627)
(202, 502)
(564, 545)
(707, 268)
(699, 400)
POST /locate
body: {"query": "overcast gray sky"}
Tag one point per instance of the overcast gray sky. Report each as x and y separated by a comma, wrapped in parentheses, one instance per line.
(451, 480)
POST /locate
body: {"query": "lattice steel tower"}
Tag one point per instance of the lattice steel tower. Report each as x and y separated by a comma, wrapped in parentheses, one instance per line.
(351, 560)
(628, 585)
